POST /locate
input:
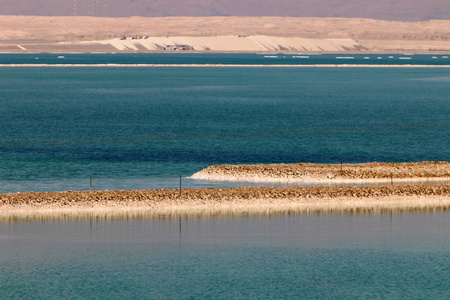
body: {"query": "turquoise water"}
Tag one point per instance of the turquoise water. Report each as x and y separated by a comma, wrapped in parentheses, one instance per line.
(140, 128)
(224, 58)
(317, 256)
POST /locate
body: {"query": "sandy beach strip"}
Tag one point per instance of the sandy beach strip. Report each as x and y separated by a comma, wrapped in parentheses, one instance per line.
(308, 173)
(228, 65)
(226, 201)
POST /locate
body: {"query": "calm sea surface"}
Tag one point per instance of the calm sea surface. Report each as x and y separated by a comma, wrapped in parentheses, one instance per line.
(141, 127)
(379, 256)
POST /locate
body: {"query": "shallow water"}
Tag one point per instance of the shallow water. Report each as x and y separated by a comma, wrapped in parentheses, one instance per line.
(307, 256)
(140, 128)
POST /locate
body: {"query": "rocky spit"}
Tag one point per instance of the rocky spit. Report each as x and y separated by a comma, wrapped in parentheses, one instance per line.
(308, 172)
(259, 200)
(254, 200)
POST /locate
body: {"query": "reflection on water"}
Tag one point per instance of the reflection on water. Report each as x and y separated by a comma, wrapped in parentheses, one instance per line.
(276, 256)
(194, 213)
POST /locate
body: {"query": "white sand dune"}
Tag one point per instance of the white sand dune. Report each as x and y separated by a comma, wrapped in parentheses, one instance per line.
(233, 43)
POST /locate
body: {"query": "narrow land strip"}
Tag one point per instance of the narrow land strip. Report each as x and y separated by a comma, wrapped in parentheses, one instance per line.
(223, 201)
(374, 172)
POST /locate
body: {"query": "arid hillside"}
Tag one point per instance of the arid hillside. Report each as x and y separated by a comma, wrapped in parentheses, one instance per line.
(34, 33)
(402, 10)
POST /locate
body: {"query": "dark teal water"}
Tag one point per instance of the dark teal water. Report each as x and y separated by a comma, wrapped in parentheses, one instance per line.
(139, 128)
(398, 256)
(224, 58)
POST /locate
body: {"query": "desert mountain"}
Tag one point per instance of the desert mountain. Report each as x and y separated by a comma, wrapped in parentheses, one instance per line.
(403, 10)
(223, 34)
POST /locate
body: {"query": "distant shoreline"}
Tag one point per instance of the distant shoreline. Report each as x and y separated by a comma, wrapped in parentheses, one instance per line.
(262, 52)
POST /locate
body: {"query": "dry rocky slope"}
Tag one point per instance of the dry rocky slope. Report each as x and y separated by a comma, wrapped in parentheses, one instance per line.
(330, 172)
(35, 33)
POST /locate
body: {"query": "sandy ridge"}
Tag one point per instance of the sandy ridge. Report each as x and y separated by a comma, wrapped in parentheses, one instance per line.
(414, 196)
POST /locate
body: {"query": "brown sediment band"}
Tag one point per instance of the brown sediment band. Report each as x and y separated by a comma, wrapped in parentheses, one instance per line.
(330, 172)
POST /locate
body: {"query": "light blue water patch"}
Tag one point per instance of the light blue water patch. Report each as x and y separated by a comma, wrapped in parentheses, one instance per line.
(133, 128)
(443, 78)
